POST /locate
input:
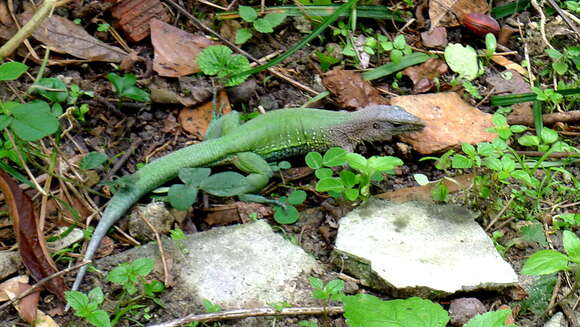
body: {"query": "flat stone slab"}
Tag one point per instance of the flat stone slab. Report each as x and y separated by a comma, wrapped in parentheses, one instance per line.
(242, 266)
(422, 249)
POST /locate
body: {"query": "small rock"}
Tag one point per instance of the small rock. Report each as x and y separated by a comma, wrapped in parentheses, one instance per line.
(435, 38)
(243, 92)
(463, 309)
(557, 320)
(156, 214)
(419, 249)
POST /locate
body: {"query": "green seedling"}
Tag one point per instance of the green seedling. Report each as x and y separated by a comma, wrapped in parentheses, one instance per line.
(265, 24)
(352, 186)
(545, 262)
(87, 306)
(103, 27)
(93, 160)
(178, 236)
(397, 49)
(287, 213)
(561, 61)
(126, 87)
(220, 61)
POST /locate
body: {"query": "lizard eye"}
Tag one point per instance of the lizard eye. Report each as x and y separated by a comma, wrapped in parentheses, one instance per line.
(376, 125)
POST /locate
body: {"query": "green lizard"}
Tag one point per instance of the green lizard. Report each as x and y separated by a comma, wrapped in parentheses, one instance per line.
(275, 135)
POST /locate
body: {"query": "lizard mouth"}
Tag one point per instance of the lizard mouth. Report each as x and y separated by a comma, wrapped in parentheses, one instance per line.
(400, 128)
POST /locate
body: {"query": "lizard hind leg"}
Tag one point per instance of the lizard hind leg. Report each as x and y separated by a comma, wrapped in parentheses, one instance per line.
(223, 125)
(258, 169)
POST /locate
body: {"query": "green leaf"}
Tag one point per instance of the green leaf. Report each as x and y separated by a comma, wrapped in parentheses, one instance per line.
(348, 178)
(399, 42)
(490, 44)
(529, 140)
(545, 262)
(572, 246)
(182, 196)
(522, 176)
(462, 60)
(518, 128)
(393, 67)
(365, 310)
(286, 216)
(323, 173)
(193, 176)
(297, 197)
(356, 161)
(440, 193)
(334, 157)
(125, 86)
(421, 179)
(384, 163)
(77, 300)
(351, 194)
(461, 161)
(499, 120)
(468, 149)
(507, 163)
(243, 35)
(560, 67)
(99, 318)
(263, 26)
(248, 14)
(119, 275)
(314, 160)
(10, 71)
(52, 83)
(329, 184)
(142, 266)
(92, 160)
(554, 54)
(33, 121)
(228, 183)
(219, 60)
(316, 283)
(534, 233)
(549, 136)
(5, 120)
(490, 319)
(492, 163)
(275, 19)
(96, 295)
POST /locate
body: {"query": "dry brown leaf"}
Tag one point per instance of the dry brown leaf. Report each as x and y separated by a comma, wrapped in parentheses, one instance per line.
(423, 75)
(12, 286)
(175, 50)
(223, 217)
(4, 13)
(447, 12)
(134, 17)
(423, 193)
(449, 122)
(351, 90)
(505, 62)
(63, 36)
(31, 241)
(435, 38)
(27, 306)
(196, 120)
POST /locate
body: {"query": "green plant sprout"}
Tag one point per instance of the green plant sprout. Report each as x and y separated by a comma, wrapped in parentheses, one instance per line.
(351, 186)
(126, 87)
(219, 60)
(265, 24)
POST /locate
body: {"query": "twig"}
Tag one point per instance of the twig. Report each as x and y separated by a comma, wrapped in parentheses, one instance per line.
(208, 30)
(42, 282)
(568, 116)
(161, 250)
(119, 163)
(256, 312)
(499, 214)
(551, 155)
(564, 17)
(542, 23)
(41, 14)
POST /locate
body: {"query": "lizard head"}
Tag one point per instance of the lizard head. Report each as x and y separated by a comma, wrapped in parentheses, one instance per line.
(381, 122)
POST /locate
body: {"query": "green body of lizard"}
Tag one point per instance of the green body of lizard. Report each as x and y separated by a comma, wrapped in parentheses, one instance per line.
(275, 135)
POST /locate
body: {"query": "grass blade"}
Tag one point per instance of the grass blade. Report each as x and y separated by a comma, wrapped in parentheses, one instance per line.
(387, 69)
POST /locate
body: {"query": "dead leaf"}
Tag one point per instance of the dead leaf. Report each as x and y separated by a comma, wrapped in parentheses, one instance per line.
(196, 120)
(175, 50)
(4, 13)
(245, 209)
(63, 36)
(508, 82)
(450, 13)
(435, 38)
(505, 62)
(351, 90)
(423, 75)
(31, 242)
(27, 306)
(134, 17)
(449, 122)
(223, 217)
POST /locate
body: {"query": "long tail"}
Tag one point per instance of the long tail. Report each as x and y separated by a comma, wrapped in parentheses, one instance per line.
(117, 206)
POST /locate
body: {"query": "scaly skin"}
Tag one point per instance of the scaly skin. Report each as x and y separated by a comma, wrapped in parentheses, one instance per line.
(275, 135)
